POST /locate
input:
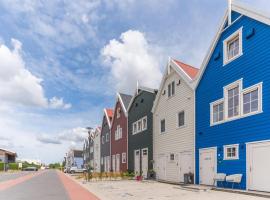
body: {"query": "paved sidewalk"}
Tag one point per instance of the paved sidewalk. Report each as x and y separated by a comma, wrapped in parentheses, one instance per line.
(151, 190)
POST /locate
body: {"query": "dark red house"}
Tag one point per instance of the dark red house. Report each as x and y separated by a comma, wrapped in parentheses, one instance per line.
(119, 134)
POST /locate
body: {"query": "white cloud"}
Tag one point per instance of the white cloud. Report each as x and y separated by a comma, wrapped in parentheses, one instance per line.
(58, 103)
(47, 139)
(76, 135)
(18, 85)
(129, 60)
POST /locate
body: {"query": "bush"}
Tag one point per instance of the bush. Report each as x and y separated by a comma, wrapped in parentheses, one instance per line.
(2, 166)
(13, 166)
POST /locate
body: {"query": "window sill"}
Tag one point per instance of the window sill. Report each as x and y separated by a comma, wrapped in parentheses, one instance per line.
(236, 118)
(181, 127)
(225, 62)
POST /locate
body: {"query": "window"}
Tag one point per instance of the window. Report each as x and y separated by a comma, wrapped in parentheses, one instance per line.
(162, 126)
(91, 149)
(233, 102)
(171, 89)
(231, 152)
(118, 113)
(134, 127)
(181, 118)
(171, 157)
(124, 157)
(232, 47)
(218, 112)
(139, 125)
(144, 123)
(103, 139)
(144, 152)
(251, 101)
(107, 137)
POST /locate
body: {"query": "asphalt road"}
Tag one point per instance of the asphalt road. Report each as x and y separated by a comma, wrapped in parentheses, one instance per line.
(45, 185)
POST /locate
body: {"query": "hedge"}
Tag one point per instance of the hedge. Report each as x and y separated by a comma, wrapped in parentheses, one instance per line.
(2, 166)
(13, 166)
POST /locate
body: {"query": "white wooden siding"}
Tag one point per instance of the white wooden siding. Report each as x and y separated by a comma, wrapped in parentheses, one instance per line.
(97, 153)
(174, 140)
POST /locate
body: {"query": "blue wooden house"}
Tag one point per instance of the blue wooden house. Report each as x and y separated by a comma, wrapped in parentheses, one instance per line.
(233, 102)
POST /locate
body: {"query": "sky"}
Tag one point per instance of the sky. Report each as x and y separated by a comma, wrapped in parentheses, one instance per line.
(62, 62)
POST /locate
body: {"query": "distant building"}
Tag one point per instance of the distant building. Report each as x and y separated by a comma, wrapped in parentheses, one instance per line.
(7, 156)
(30, 161)
(74, 158)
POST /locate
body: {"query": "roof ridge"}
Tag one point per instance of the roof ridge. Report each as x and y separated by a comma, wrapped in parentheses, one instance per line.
(185, 63)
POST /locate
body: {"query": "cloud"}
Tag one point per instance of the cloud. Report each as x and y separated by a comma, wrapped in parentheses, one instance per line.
(74, 135)
(18, 85)
(55, 103)
(47, 139)
(130, 60)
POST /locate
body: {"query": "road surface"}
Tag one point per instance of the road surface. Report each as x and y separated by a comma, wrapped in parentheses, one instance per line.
(42, 185)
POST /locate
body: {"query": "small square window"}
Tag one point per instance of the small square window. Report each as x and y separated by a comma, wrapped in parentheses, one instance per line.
(162, 126)
(231, 152)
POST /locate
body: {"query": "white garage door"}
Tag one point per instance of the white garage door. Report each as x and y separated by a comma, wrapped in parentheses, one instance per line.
(161, 167)
(208, 165)
(258, 166)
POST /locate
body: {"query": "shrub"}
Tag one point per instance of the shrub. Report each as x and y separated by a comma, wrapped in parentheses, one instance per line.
(2, 166)
(13, 166)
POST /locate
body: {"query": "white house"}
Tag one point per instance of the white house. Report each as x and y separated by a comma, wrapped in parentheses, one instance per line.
(97, 155)
(173, 123)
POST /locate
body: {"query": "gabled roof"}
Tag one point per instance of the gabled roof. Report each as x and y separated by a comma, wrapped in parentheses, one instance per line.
(242, 9)
(125, 100)
(109, 115)
(8, 152)
(189, 70)
(185, 71)
(138, 91)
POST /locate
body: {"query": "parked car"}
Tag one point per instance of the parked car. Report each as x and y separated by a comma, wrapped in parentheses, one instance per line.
(77, 170)
(30, 169)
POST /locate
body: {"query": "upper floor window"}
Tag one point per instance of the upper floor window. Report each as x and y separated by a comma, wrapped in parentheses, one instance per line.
(107, 137)
(134, 131)
(171, 89)
(162, 126)
(237, 102)
(144, 123)
(181, 119)
(233, 102)
(118, 133)
(118, 113)
(171, 157)
(140, 125)
(232, 47)
(103, 139)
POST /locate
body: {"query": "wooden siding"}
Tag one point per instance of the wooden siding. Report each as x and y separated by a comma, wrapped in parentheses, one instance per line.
(105, 148)
(254, 67)
(174, 140)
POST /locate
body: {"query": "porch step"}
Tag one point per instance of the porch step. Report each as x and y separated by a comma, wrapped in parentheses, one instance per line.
(199, 188)
(245, 192)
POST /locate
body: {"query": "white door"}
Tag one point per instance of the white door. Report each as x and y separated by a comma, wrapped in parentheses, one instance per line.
(258, 166)
(113, 163)
(185, 164)
(144, 162)
(208, 165)
(118, 162)
(161, 167)
(137, 162)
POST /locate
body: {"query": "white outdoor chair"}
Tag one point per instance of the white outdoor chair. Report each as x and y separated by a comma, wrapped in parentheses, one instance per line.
(220, 177)
(234, 178)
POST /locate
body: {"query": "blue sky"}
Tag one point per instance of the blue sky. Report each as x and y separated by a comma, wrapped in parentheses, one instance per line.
(62, 61)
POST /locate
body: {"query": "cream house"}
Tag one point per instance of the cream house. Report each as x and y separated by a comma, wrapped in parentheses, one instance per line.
(173, 123)
(96, 147)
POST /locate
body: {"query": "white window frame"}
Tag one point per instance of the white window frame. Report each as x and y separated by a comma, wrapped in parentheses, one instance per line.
(238, 83)
(124, 157)
(144, 128)
(177, 119)
(226, 147)
(139, 130)
(118, 112)
(103, 138)
(171, 91)
(238, 33)
(212, 111)
(134, 131)
(248, 90)
(160, 126)
(241, 104)
(107, 137)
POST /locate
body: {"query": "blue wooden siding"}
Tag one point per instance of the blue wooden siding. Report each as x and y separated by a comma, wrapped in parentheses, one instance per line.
(254, 67)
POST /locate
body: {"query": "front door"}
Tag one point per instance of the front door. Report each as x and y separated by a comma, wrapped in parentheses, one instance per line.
(185, 164)
(161, 167)
(137, 162)
(144, 162)
(118, 162)
(258, 166)
(113, 163)
(208, 165)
